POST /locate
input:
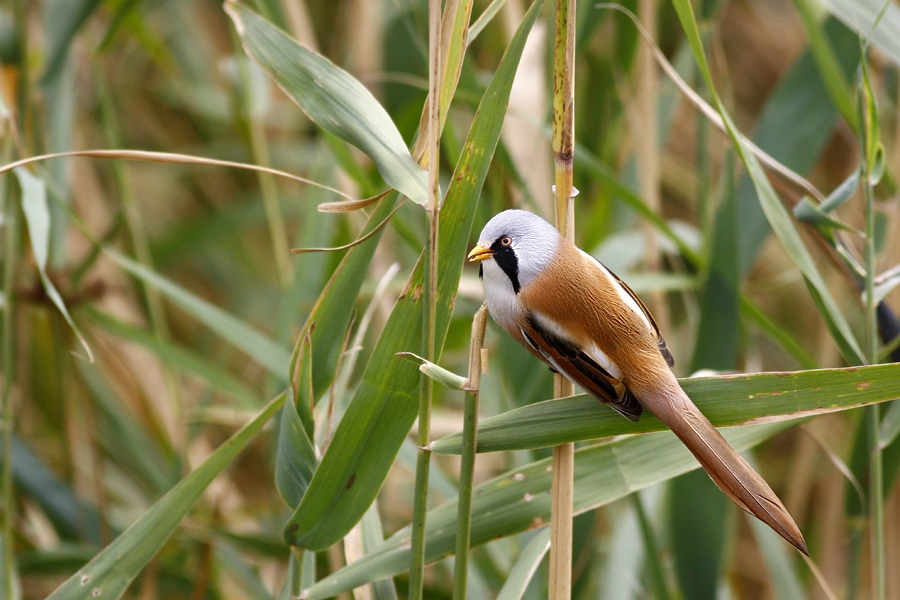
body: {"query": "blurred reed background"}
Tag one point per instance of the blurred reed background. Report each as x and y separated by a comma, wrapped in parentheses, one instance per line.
(181, 281)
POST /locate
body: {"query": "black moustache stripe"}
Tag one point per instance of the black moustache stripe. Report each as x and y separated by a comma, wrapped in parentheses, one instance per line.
(506, 258)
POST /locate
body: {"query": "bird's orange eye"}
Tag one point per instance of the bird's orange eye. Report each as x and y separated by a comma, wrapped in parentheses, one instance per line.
(505, 240)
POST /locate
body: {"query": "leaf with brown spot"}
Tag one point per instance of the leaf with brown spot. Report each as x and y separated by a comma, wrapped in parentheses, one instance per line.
(727, 401)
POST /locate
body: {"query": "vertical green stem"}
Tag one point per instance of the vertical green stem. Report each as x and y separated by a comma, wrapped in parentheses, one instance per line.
(873, 413)
(876, 503)
(870, 147)
(296, 562)
(467, 466)
(7, 510)
(423, 460)
(562, 485)
(9, 586)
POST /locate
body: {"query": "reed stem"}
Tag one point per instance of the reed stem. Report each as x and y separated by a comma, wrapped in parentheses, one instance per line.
(423, 460)
(562, 490)
(467, 466)
(869, 147)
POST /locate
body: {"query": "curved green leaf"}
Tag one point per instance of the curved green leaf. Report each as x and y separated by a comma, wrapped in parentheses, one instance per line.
(875, 20)
(698, 538)
(183, 358)
(70, 514)
(37, 218)
(330, 317)
(385, 406)
(295, 458)
(520, 500)
(523, 570)
(109, 573)
(890, 426)
(333, 99)
(778, 216)
(257, 346)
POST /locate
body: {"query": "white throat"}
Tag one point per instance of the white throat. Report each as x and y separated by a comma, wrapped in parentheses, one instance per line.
(500, 296)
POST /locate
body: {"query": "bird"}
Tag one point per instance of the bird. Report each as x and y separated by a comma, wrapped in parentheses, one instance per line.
(578, 317)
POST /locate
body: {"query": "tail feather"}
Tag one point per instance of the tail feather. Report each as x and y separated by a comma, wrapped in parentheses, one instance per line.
(725, 466)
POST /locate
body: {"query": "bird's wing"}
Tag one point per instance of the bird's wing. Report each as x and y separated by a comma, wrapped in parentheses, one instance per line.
(579, 367)
(637, 306)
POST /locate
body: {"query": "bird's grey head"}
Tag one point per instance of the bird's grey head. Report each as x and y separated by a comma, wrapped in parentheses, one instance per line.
(521, 244)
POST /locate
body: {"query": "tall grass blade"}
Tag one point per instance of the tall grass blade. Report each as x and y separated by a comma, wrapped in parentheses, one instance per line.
(717, 344)
(727, 401)
(778, 559)
(778, 216)
(333, 99)
(295, 459)
(71, 516)
(453, 41)
(519, 500)
(525, 566)
(698, 533)
(182, 357)
(110, 572)
(37, 218)
(257, 346)
(384, 407)
(875, 20)
(890, 426)
(330, 317)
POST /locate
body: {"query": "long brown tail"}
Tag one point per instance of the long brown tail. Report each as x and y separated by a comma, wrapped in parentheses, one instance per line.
(725, 466)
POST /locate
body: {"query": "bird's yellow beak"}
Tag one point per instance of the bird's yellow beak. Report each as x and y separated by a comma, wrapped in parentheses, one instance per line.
(480, 253)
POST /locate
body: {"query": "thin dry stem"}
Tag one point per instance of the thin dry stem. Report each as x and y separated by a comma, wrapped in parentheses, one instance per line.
(166, 158)
(712, 115)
